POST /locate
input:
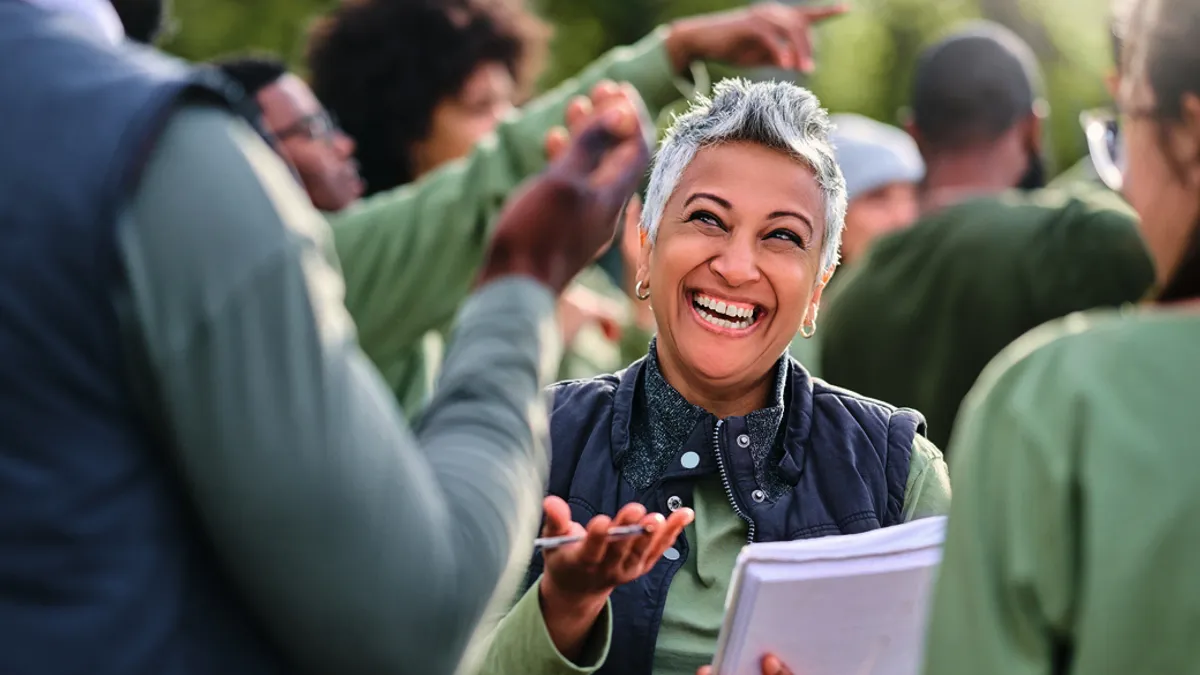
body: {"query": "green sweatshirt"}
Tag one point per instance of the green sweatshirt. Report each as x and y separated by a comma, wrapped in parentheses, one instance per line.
(358, 544)
(915, 321)
(411, 254)
(1072, 542)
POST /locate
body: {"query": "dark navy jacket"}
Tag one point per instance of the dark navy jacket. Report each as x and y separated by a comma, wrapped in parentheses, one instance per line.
(102, 567)
(845, 456)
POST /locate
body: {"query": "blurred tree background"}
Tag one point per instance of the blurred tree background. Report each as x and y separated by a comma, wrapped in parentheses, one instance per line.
(864, 58)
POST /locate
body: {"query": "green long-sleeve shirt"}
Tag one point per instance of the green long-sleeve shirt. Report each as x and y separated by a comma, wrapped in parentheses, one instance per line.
(359, 545)
(696, 599)
(410, 255)
(1072, 542)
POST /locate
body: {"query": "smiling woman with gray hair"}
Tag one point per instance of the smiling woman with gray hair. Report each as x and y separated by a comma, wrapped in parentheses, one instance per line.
(741, 227)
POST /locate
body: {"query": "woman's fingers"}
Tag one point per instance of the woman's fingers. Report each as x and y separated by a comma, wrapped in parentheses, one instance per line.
(704, 670)
(618, 548)
(771, 665)
(638, 548)
(557, 140)
(775, 42)
(579, 109)
(665, 535)
(595, 546)
(558, 517)
(786, 29)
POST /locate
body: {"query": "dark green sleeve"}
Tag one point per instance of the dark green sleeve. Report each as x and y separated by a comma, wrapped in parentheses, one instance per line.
(410, 255)
(1093, 257)
(363, 547)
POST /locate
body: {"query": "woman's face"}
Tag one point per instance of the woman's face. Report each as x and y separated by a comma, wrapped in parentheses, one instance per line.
(736, 264)
(460, 121)
(1162, 174)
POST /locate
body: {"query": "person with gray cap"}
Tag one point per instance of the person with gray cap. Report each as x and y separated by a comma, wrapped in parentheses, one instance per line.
(883, 169)
(918, 318)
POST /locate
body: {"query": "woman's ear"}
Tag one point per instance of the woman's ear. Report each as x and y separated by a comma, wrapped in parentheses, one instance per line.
(643, 267)
(814, 305)
(1187, 140)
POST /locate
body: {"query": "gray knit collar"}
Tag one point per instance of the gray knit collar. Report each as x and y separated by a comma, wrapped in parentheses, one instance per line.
(664, 420)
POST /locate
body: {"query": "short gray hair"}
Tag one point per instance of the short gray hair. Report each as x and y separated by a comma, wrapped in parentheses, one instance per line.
(777, 115)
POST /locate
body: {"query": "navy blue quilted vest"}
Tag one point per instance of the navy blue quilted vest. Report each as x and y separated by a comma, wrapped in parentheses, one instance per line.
(102, 567)
(845, 456)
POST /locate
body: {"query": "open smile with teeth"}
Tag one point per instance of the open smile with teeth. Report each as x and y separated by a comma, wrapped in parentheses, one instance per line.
(724, 314)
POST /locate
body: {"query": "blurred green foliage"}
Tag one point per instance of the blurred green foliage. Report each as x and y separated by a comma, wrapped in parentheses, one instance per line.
(864, 57)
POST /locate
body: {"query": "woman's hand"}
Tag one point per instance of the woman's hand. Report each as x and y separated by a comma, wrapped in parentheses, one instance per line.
(578, 578)
(767, 34)
(564, 218)
(771, 665)
(580, 306)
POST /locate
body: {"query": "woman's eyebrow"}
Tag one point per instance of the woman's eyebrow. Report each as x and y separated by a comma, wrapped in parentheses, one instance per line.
(791, 214)
(705, 195)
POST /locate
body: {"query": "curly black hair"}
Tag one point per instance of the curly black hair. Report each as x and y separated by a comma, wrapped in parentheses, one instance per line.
(381, 67)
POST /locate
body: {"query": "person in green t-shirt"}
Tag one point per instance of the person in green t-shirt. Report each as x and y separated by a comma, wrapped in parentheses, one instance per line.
(1072, 542)
(921, 315)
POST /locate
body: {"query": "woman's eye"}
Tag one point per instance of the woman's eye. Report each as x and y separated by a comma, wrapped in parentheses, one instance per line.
(789, 236)
(706, 218)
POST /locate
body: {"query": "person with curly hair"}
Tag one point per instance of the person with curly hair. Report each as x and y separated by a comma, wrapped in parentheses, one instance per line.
(398, 244)
(419, 82)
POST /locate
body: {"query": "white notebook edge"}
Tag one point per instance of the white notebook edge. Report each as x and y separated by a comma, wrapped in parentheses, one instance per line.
(932, 531)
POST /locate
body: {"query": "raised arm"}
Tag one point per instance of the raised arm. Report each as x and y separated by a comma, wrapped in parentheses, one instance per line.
(409, 255)
(363, 548)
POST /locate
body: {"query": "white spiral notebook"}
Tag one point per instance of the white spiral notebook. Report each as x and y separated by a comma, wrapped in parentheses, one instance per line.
(845, 605)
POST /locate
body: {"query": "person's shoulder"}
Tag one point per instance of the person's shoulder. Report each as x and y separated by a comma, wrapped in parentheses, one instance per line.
(1036, 209)
(824, 391)
(598, 392)
(1061, 360)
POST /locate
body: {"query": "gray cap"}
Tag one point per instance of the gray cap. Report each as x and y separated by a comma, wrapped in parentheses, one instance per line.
(873, 154)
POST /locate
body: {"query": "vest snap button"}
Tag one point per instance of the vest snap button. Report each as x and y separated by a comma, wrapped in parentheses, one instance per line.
(671, 553)
(690, 460)
(673, 503)
(743, 441)
(758, 496)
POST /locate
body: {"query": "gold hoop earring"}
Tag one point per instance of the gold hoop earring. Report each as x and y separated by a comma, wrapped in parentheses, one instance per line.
(808, 330)
(637, 290)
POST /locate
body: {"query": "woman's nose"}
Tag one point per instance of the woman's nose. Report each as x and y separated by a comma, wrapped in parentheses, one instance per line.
(737, 265)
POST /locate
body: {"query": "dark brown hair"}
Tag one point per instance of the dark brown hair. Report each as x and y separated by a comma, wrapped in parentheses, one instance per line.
(1169, 42)
(381, 67)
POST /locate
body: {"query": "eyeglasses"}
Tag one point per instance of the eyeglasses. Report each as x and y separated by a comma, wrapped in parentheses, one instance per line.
(319, 126)
(1106, 147)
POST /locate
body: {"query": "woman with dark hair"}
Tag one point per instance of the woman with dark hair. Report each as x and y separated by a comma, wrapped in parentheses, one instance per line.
(1072, 544)
(418, 82)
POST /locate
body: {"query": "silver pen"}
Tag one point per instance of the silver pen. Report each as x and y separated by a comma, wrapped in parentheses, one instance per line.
(547, 543)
